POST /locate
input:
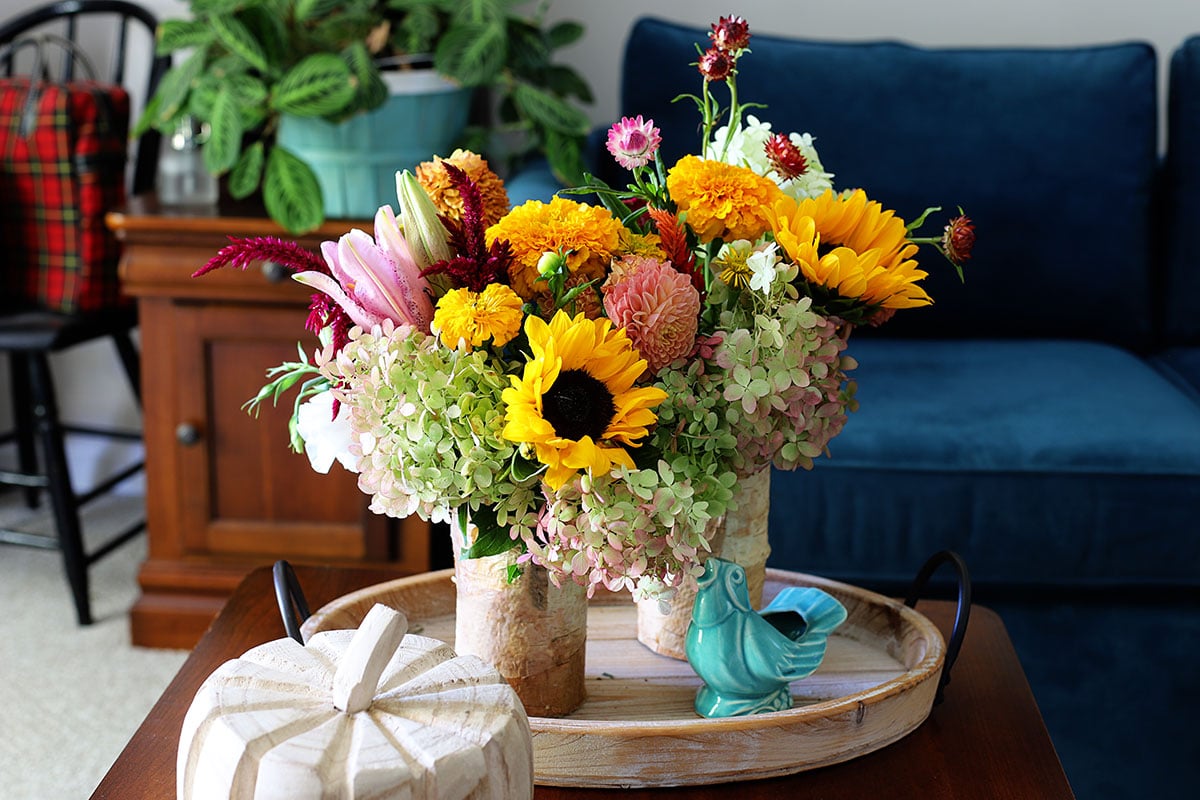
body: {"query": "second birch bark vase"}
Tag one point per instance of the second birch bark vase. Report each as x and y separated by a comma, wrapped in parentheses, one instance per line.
(533, 632)
(741, 538)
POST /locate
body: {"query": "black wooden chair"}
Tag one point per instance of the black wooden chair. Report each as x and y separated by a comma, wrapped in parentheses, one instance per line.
(31, 335)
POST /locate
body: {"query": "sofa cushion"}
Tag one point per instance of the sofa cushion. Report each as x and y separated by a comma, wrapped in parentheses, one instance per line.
(1181, 365)
(1051, 151)
(1183, 190)
(1039, 461)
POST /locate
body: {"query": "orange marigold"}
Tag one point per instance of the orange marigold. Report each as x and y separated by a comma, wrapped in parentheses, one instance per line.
(721, 200)
(587, 235)
(437, 184)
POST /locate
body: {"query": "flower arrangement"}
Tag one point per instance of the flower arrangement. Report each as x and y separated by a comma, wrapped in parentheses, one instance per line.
(586, 382)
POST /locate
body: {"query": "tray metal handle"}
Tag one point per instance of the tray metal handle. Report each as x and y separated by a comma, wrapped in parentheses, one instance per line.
(962, 613)
(293, 607)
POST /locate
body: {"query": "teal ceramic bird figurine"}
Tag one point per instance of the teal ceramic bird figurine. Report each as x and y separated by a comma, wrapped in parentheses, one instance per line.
(746, 658)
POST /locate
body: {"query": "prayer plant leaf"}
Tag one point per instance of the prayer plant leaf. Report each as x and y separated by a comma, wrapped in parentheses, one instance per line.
(472, 54)
(176, 34)
(550, 112)
(225, 135)
(246, 174)
(320, 85)
(291, 192)
(234, 34)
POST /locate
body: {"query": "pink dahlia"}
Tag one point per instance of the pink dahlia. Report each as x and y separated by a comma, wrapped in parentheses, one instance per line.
(633, 142)
(658, 307)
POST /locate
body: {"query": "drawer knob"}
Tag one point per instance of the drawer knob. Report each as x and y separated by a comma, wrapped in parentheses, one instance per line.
(187, 434)
(273, 272)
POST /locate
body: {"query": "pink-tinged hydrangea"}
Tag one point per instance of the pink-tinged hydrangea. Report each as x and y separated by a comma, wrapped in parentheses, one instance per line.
(642, 530)
(658, 307)
(633, 142)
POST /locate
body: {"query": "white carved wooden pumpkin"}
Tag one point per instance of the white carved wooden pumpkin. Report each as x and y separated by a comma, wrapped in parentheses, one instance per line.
(371, 713)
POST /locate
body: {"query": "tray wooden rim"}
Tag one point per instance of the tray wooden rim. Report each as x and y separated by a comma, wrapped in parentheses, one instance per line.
(549, 734)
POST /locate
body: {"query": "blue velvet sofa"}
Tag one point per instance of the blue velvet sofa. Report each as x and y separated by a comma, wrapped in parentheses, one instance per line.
(1042, 419)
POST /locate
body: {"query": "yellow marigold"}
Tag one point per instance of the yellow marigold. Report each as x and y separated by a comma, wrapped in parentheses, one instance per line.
(851, 273)
(588, 235)
(475, 317)
(721, 200)
(640, 244)
(436, 183)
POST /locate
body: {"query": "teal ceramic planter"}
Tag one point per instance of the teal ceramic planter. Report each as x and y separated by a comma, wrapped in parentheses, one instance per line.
(356, 161)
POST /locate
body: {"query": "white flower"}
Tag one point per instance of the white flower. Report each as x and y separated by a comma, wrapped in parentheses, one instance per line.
(762, 268)
(746, 147)
(325, 438)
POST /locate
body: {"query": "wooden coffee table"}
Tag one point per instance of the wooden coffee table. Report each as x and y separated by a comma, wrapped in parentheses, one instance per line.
(986, 740)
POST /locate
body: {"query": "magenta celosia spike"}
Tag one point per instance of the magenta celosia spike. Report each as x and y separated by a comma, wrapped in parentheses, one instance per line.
(240, 253)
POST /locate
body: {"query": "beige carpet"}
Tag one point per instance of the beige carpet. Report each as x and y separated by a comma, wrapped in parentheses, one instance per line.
(70, 697)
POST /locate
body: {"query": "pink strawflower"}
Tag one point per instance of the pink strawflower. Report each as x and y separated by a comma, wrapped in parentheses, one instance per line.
(658, 307)
(633, 142)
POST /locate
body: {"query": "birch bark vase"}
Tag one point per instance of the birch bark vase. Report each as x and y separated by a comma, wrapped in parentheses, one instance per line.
(533, 632)
(741, 538)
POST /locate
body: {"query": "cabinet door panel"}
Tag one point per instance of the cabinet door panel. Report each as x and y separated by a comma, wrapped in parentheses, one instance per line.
(258, 496)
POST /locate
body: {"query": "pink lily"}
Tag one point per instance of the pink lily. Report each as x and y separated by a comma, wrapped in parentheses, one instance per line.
(374, 278)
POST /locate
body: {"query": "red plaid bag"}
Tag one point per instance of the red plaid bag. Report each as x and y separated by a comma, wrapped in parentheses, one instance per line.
(62, 167)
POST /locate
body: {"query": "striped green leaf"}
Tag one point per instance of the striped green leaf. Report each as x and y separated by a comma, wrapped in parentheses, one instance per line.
(473, 54)
(237, 37)
(246, 174)
(320, 85)
(177, 34)
(225, 134)
(291, 192)
(550, 112)
(314, 9)
(175, 86)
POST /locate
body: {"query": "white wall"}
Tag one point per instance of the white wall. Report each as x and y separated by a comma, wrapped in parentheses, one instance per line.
(90, 391)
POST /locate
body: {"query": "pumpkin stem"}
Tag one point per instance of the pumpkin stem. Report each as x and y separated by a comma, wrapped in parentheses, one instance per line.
(375, 642)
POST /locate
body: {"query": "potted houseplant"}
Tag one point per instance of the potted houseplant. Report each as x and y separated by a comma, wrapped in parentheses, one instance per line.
(249, 64)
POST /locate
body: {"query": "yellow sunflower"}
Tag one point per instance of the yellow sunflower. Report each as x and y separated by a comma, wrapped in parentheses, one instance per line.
(474, 317)
(588, 235)
(851, 245)
(576, 403)
(721, 200)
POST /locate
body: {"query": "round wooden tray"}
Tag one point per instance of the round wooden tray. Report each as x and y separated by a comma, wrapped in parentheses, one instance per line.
(637, 726)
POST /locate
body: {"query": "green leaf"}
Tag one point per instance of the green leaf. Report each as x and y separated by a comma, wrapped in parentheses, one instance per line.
(250, 96)
(473, 54)
(320, 85)
(563, 34)
(291, 192)
(177, 34)
(175, 86)
(372, 91)
(225, 135)
(234, 34)
(919, 221)
(246, 174)
(313, 9)
(147, 119)
(269, 28)
(493, 539)
(566, 82)
(565, 154)
(548, 111)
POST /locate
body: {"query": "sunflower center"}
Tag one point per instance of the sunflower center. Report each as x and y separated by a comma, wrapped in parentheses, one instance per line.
(578, 405)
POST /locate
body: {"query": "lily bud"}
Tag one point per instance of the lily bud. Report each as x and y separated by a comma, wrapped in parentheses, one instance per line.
(419, 217)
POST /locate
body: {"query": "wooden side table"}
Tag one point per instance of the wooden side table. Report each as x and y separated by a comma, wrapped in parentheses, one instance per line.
(224, 491)
(986, 741)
